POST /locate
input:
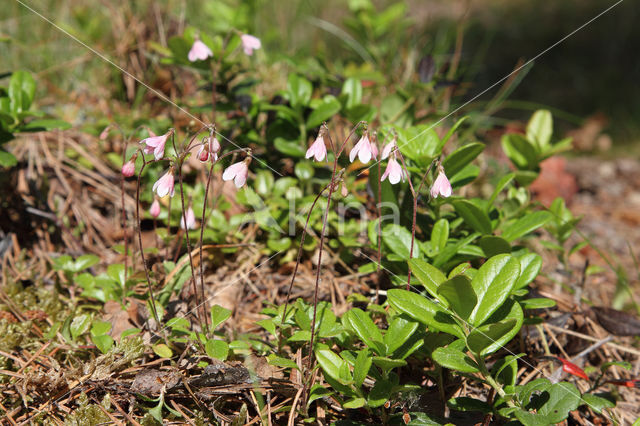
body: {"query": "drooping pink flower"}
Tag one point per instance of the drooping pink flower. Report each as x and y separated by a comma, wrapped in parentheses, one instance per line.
(165, 185)
(199, 51)
(214, 148)
(129, 168)
(363, 150)
(394, 172)
(203, 154)
(250, 43)
(155, 145)
(238, 172)
(318, 149)
(154, 210)
(388, 149)
(189, 219)
(441, 185)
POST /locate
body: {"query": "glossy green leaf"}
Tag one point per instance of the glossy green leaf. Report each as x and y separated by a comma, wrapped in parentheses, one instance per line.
(318, 391)
(99, 328)
(219, 315)
(483, 337)
(289, 148)
(327, 109)
(428, 275)
(540, 129)
(440, 235)
(299, 90)
(424, 310)
(526, 224)
(21, 91)
(386, 363)
(361, 324)
(7, 159)
(398, 239)
(465, 403)
(352, 87)
(361, 367)
(103, 342)
(492, 284)
(419, 143)
(502, 184)
(80, 325)
(510, 310)
(332, 365)
(162, 350)
(304, 170)
(218, 349)
(598, 403)
(520, 151)
(458, 159)
(85, 261)
(282, 362)
(473, 216)
(537, 303)
(454, 359)
(492, 245)
(459, 295)
(400, 330)
(530, 265)
(563, 398)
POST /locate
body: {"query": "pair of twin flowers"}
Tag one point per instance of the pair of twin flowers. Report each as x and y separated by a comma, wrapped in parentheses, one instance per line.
(364, 150)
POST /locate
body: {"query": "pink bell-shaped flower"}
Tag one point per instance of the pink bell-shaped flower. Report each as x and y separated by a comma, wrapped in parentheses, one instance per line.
(189, 219)
(154, 210)
(155, 145)
(199, 51)
(237, 172)
(250, 43)
(165, 185)
(394, 172)
(441, 186)
(318, 149)
(129, 168)
(363, 150)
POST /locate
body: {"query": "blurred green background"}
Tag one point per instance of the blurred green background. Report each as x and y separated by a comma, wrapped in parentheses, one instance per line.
(592, 73)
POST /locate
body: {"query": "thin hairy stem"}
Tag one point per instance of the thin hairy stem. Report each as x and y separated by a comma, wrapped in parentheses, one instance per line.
(125, 237)
(139, 231)
(202, 222)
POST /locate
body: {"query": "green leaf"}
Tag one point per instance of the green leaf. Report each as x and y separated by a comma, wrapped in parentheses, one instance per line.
(597, 403)
(352, 87)
(304, 170)
(453, 129)
(492, 245)
(332, 365)
(492, 284)
(22, 89)
(428, 275)
(520, 151)
(282, 362)
(502, 184)
(289, 148)
(525, 392)
(7, 159)
(218, 349)
(563, 398)
(419, 143)
(400, 331)
(361, 324)
(327, 109)
(398, 239)
(526, 224)
(268, 325)
(162, 350)
(299, 90)
(103, 342)
(318, 391)
(116, 272)
(530, 265)
(440, 235)
(459, 295)
(219, 315)
(473, 216)
(537, 303)
(483, 337)
(361, 367)
(465, 403)
(85, 261)
(540, 129)
(44, 125)
(99, 328)
(355, 403)
(424, 310)
(80, 325)
(510, 310)
(454, 359)
(387, 364)
(458, 159)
